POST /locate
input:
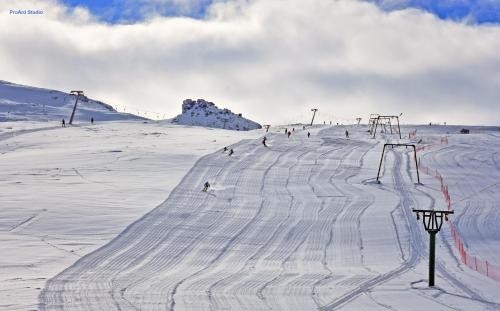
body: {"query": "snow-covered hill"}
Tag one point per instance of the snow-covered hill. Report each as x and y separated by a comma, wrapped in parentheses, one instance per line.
(19, 102)
(298, 225)
(203, 113)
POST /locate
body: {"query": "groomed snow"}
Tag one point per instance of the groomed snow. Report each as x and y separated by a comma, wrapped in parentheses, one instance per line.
(299, 225)
(67, 191)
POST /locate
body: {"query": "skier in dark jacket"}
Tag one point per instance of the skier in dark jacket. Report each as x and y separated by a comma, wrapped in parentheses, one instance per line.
(308, 134)
(289, 133)
(264, 141)
(225, 149)
(230, 152)
(63, 123)
(346, 134)
(91, 120)
(206, 186)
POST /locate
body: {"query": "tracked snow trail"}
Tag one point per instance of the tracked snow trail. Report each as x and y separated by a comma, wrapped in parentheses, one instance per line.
(412, 246)
(474, 194)
(295, 226)
(241, 245)
(14, 133)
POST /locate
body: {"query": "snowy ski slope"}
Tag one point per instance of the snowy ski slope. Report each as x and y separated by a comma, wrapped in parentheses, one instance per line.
(27, 103)
(471, 166)
(67, 191)
(300, 225)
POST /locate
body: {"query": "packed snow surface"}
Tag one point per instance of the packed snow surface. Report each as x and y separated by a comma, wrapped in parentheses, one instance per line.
(204, 113)
(19, 102)
(67, 191)
(298, 225)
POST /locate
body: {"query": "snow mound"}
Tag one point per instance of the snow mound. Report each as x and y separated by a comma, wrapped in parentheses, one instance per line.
(26, 103)
(204, 113)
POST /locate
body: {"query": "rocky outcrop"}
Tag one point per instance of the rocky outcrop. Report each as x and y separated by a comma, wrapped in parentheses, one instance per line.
(204, 113)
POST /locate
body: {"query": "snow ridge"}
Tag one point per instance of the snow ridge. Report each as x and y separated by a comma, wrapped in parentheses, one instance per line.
(204, 113)
(26, 103)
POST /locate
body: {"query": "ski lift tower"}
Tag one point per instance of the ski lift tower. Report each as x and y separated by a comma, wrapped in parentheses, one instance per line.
(371, 122)
(399, 145)
(77, 95)
(432, 220)
(314, 110)
(388, 120)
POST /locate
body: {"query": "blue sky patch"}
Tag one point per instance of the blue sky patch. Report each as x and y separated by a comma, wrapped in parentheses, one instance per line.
(131, 11)
(470, 11)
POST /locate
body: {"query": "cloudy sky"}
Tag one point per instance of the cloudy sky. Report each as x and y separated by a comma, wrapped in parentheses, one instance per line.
(272, 60)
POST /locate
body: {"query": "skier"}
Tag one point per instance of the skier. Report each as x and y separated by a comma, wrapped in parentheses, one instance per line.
(293, 129)
(346, 134)
(225, 149)
(264, 141)
(308, 134)
(230, 152)
(92, 120)
(286, 131)
(206, 186)
(303, 127)
(289, 133)
(63, 123)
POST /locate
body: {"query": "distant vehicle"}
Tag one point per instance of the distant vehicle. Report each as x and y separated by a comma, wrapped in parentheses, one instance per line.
(464, 131)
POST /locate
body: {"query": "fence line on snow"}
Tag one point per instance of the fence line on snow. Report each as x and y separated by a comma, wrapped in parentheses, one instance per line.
(475, 263)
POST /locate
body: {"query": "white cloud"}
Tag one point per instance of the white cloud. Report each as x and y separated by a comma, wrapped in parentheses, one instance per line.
(271, 60)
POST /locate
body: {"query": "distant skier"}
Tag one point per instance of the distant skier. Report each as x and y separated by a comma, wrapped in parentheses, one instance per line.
(289, 133)
(346, 134)
(264, 141)
(206, 186)
(92, 120)
(225, 149)
(303, 127)
(286, 131)
(231, 152)
(308, 134)
(293, 129)
(63, 123)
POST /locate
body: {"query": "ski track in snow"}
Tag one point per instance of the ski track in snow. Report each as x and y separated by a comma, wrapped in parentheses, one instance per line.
(473, 193)
(7, 135)
(283, 230)
(416, 242)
